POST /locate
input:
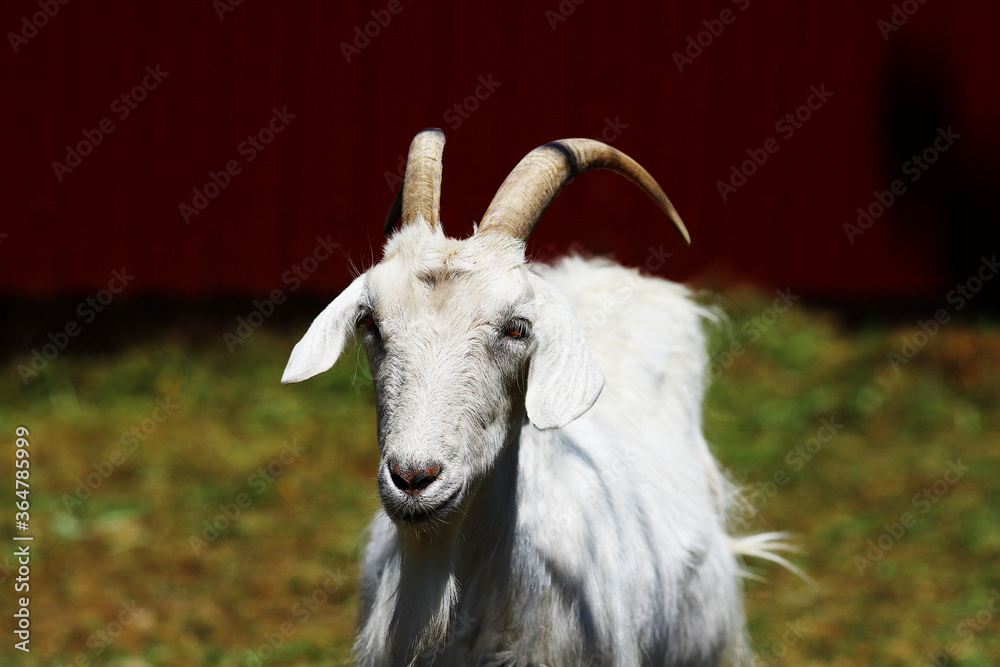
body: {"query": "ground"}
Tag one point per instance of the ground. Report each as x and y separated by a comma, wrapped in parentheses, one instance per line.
(189, 509)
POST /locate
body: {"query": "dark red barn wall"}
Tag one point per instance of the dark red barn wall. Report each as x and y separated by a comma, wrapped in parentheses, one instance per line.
(607, 70)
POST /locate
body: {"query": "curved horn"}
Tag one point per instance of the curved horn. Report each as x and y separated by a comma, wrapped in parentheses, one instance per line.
(420, 191)
(536, 179)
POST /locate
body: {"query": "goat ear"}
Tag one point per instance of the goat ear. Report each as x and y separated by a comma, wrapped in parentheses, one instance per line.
(564, 379)
(324, 341)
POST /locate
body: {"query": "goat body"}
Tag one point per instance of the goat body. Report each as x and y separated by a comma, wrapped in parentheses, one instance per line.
(547, 495)
(600, 543)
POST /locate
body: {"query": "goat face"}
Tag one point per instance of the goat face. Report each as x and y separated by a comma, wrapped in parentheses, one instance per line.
(463, 342)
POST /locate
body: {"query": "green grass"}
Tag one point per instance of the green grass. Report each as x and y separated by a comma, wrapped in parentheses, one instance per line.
(131, 539)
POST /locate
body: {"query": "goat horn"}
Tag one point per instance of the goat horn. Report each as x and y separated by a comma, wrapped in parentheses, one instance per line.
(536, 179)
(420, 191)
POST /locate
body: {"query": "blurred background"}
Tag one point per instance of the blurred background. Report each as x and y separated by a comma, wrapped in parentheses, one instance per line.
(188, 183)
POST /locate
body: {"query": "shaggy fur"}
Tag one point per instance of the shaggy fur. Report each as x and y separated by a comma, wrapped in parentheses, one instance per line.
(561, 531)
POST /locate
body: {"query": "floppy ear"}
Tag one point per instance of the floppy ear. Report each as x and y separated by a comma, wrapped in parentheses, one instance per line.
(324, 341)
(564, 379)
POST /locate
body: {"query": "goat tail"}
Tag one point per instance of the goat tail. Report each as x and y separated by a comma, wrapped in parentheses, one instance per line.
(765, 546)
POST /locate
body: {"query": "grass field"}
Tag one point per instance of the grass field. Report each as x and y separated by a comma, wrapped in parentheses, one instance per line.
(189, 510)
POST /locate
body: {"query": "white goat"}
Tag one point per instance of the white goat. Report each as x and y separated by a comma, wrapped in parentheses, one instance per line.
(596, 533)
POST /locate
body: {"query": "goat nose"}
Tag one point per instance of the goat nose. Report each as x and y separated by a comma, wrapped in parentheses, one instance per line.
(413, 480)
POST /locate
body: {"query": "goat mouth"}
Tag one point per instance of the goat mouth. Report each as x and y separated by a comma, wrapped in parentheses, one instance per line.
(417, 513)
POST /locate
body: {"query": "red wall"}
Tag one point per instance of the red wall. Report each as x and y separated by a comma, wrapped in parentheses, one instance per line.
(325, 173)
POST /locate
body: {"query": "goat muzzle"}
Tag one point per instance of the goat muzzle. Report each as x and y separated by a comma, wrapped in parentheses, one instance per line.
(413, 480)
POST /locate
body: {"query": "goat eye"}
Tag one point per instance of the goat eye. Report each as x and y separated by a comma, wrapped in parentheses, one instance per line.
(516, 329)
(366, 320)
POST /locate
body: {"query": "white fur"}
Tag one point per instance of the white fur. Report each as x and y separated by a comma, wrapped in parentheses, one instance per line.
(575, 540)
